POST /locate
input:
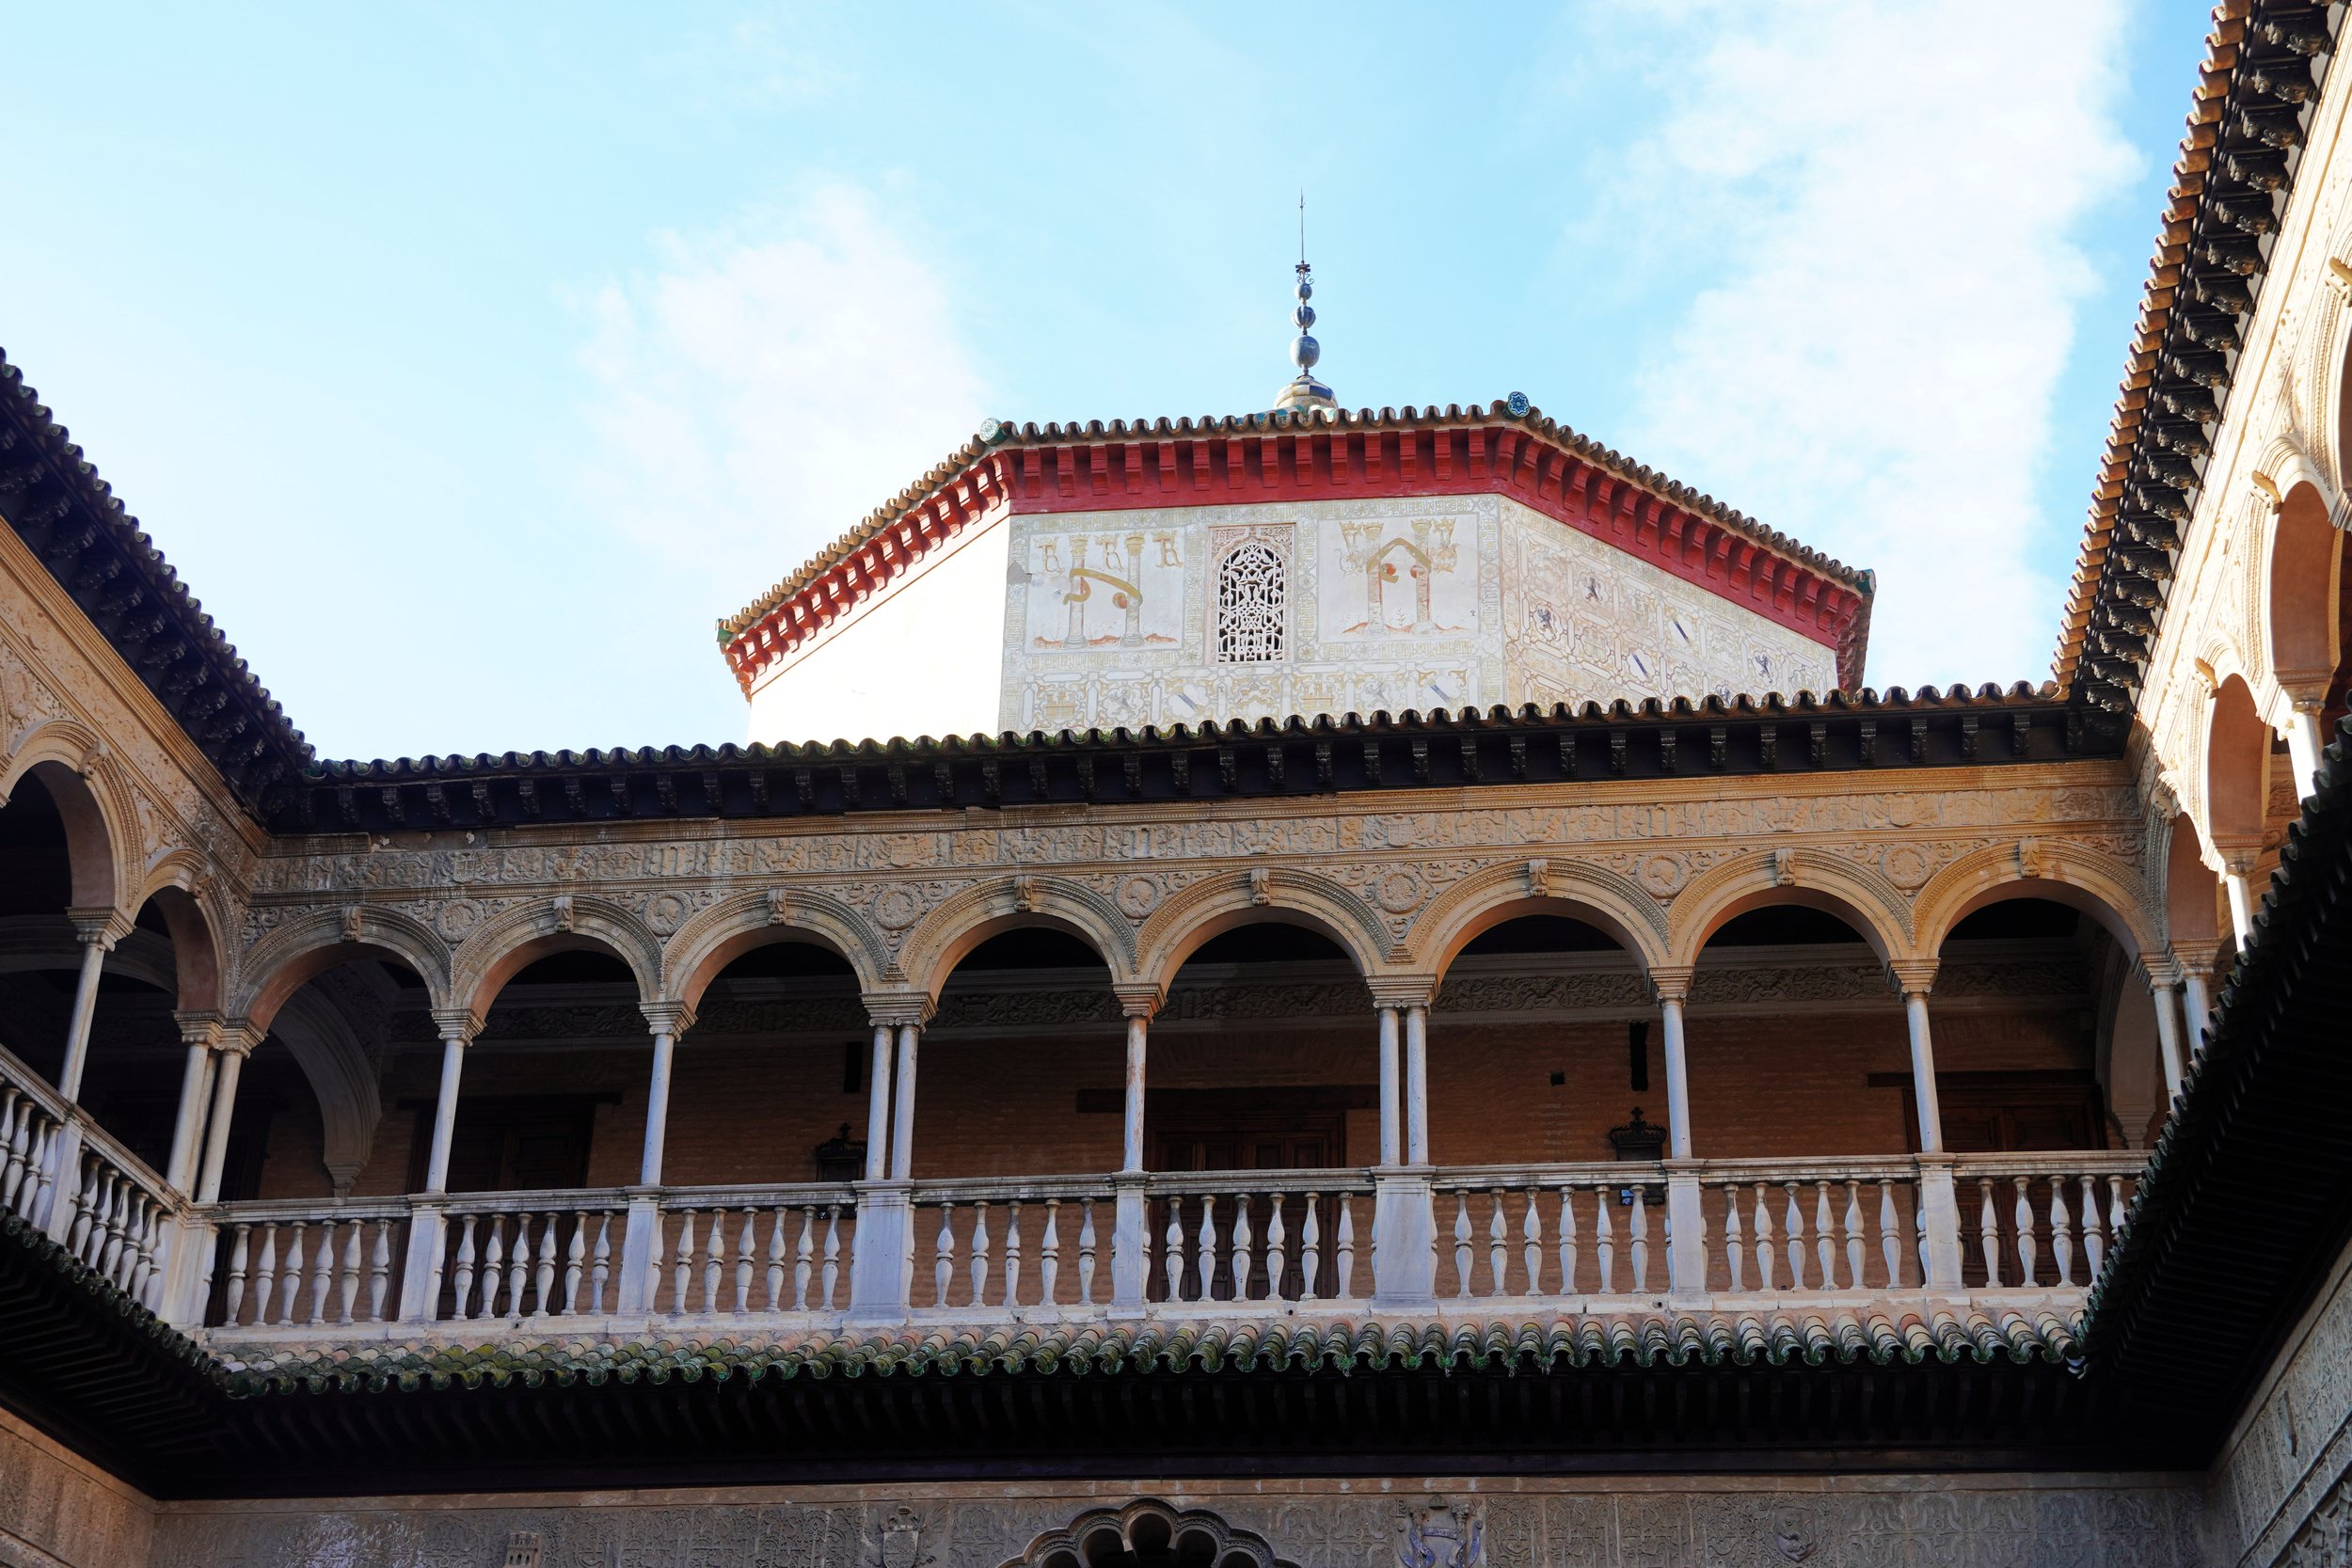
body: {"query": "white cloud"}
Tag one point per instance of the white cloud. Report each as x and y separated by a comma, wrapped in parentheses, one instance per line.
(768, 385)
(1889, 195)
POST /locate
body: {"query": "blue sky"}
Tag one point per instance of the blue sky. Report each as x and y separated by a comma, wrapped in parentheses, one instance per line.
(470, 361)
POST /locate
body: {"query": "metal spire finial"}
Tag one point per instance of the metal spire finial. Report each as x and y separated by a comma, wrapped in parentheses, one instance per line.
(1304, 390)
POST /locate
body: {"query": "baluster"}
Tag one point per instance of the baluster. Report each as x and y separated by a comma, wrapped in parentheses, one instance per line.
(653, 1260)
(682, 1277)
(804, 1262)
(96, 1224)
(518, 1265)
(494, 1273)
(1086, 1253)
(1498, 1245)
(2061, 1232)
(237, 1259)
(1209, 1258)
(714, 1257)
(121, 1231)
(1568, 1241)
(2094, 1242)
(1311, 1247)
(2115, 1210)
(1175, 1254)
(84, 1214)
(944, 1254)
(1532, 1241)
(1792, 1234)
(1239, 1247)
(1889, 1247)
(142, 1244)
(1013, 1253)
(979, 1253)
(2029, 1253)
(12, 1141)
(1278, 1246)
(379, 1270)
(1824, 1237)
(1604, 1237)
(348, 1276)
(777, 1250)
(1767, 1253)
(1637, 1243)
(1343, 1247)
(265, 1276)
(600, 1262)
(1462, 1244)
(1735, 1239)
(543, 1270)
(1989, 1224)
(1049, 1254)
(1853, 1227)
(746, 1243)
(575, 1263)
(832, 1270)
(322, 1273)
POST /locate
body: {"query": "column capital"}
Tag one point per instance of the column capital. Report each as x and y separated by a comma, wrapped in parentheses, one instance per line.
(898, 1008)
(1671, 982)
(2198, 957)
(100, 927)
(2239, 859)
(1402, 991)
(199, 1027)
(667, 1018)
(458, 1024)
(1140, 998)
(238, 1038)
(1913, 976)
(2162, 972)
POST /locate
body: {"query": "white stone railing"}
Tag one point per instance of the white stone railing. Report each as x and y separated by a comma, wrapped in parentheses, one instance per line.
(63, 1174)
(987, 1251)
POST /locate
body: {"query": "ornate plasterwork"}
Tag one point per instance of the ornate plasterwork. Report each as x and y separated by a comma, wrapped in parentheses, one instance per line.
(1390, 603)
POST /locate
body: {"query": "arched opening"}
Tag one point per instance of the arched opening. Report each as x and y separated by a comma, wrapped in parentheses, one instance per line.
(1543, 1039)
(2016, 1006)
(1022, 1062)
(552, 1093)
(2301, 591)
(2238, 747)
(780, 1027)
(1796, 1042)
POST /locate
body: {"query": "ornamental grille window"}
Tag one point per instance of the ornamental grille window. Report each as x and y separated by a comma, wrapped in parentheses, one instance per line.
(1250, 598)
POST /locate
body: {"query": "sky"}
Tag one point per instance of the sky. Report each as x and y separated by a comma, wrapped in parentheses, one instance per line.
(469, 362)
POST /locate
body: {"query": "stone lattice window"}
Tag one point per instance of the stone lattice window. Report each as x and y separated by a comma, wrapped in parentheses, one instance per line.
(1251, 595)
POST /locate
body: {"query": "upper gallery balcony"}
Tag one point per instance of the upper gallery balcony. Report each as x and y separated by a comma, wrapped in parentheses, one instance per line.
(1556, 1134)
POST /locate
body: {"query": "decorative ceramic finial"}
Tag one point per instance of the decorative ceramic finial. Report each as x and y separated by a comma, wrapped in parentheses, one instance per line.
(1304, 390)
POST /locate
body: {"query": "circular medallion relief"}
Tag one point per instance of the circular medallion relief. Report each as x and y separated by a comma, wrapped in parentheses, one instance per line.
(1398, 891)
(897, 908)
(1907, 866)
(1664, 875)
(1137, 895)
(455, 919)
(665, 913)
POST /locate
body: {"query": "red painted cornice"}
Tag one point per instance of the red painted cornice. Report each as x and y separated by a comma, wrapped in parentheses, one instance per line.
(1532, 461)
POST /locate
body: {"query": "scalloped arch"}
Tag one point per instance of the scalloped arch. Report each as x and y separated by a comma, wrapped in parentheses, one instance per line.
(1220, 902)
(717, 935)
(508, 943)
(1149, 1525)
(275, 967)
(2099, 885)
(1807, 877)
(963, 920)
(1596, 895)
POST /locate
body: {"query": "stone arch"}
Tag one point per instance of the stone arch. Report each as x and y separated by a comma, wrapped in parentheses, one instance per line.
(29, 943)
(2301, 566)
(341, 1077)
(1112, 1536)
(100, 844)
(1596, 895)
(195, 950)
(275, 966)
(2235, 785)
(2192, 893)
(964, 920)
(1222, 902)
(1862, 897)
(2063, 872)
(718, 936)
(503, 947)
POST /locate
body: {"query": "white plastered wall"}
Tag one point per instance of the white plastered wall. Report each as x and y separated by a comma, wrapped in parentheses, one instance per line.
(920, 657)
